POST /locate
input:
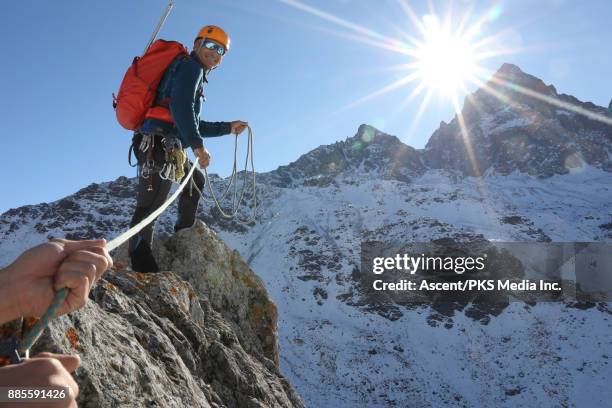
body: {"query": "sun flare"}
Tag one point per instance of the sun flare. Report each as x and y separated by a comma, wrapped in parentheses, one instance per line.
(445, 53)
(445, 60)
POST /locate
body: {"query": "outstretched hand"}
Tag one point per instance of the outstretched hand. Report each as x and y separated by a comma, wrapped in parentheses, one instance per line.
(32, 280)
(238, 126)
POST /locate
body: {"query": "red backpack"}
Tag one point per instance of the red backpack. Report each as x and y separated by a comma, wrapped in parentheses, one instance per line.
(139, 86)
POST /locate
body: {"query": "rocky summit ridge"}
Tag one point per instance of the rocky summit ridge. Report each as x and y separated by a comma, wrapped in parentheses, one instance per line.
(505, 129)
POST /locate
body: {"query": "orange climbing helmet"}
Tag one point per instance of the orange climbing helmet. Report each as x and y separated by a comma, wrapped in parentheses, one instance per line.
(216, 34)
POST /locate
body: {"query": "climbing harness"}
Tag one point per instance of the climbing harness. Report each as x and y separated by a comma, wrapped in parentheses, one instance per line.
(146, 145)
(175, 158)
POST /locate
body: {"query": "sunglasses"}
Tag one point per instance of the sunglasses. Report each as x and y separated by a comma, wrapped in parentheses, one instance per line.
(214, 46)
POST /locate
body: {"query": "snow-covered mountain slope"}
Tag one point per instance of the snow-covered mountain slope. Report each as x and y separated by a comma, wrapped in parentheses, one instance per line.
(339, 350)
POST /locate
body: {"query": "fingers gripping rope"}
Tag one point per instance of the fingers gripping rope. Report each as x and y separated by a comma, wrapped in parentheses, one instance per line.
(34, 333)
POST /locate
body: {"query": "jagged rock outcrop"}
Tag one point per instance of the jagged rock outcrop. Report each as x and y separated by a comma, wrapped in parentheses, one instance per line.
(201, 335)
(222, 276)
(515, 122)
(508, 129)
(369, 151)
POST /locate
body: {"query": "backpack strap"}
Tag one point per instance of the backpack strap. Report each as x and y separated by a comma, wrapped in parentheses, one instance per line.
(170, 77)
(160, 109)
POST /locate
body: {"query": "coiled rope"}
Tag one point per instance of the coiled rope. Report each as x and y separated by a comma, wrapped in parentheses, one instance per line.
(235, 206)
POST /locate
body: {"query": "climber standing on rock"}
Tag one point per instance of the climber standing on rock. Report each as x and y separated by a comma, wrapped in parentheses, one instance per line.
(171, 125)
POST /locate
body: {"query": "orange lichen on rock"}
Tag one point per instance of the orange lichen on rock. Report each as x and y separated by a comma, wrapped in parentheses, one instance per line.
(140, 280)
(258, 312)
(272, 311)
(248, 280)
(73, 339)
(119, 265)
(272, 315)
(145, 277)
(109, 286)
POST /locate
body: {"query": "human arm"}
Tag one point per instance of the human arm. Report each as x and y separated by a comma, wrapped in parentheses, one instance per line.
(215, 129)
(223, 128)
(27, 286)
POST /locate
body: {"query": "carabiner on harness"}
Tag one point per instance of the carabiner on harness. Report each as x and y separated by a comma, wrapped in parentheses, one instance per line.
(147, 169)
(167, 172)
(146, 142)
(175, 158)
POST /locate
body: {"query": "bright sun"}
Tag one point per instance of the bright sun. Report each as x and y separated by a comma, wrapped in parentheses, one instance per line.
(445, 61)
(445, 54)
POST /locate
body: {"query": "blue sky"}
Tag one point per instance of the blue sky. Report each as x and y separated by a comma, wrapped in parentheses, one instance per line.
(290, 73)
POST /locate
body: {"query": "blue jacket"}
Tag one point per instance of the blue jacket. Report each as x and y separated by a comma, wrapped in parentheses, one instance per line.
(182, 85)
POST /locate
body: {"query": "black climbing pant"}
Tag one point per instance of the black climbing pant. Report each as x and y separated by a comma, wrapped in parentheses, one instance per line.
(153, 191)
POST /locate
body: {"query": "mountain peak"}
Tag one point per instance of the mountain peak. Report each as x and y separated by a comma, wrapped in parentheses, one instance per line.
(509, 76)
(367, 132)
(508, 68)
(509, 124)
(369, 135)
(369, 151)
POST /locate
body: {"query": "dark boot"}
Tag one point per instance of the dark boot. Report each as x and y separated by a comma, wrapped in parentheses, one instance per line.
(142, 258)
